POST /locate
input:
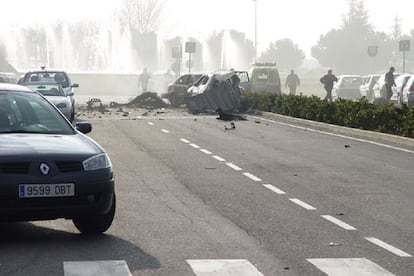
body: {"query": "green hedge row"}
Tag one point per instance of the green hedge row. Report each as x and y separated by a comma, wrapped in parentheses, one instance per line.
(384, 118)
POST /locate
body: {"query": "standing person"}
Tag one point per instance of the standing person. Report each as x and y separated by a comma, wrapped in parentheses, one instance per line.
(143, 80)
(389, 83)
(328, 81)
(292, 81)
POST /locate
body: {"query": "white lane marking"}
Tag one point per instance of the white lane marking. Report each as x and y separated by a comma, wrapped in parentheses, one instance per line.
(223, 268)
(302, 204)
(234, 167)
(151, 123)
(388, 247)
(338, 222)
(351, 266)
(338, 135)
(274, 189)
(101, 268)
(195, 146)
(218, 158)
(185, 141)
(165, 131)
(252, 177)
(206, 151)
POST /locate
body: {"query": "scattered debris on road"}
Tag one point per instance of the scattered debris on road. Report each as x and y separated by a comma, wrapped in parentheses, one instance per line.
(232, 126)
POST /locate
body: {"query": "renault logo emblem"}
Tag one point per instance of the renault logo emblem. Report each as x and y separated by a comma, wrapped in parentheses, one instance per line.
(44, 168)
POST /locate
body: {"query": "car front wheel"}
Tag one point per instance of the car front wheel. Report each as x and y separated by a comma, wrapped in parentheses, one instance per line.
(96, 224)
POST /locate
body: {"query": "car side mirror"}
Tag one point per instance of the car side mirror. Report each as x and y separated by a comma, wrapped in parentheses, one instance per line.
(75, 85)
(70, 94)
(84, 127)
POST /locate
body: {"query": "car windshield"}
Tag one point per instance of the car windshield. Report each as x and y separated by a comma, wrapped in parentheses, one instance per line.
(47, 89)
(23, 112)
(351, 82)
(47, 76)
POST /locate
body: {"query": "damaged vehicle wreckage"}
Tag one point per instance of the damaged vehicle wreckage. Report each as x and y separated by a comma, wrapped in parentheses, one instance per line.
(220, 93)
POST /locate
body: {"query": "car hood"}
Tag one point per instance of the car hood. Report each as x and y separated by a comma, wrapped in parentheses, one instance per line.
(58, 99)
(47, 144)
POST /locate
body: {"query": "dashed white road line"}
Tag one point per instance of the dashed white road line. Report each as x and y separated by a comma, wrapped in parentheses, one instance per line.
(218, 158)
(223, 268)
(351, 266)
(302, 204)
(234, 167)
(274, 189)
(339, 222)
(104, 268)
(195, 146)
(388, 247)
(252, 177)
(206, 151)
(165, 131)
(185, 141)
(151, 123)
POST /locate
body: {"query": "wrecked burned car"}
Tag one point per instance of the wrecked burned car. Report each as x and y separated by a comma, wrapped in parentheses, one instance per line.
(218, 92)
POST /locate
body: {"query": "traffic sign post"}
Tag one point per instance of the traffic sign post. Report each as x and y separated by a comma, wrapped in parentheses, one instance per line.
(404, 47)
(190, 47)
(372, 52)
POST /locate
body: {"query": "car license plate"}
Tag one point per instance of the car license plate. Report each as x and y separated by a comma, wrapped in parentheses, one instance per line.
(46, 190)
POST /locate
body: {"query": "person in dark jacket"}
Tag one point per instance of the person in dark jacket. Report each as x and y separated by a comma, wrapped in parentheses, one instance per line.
(328, 82)
(389, 82)
(292, 81)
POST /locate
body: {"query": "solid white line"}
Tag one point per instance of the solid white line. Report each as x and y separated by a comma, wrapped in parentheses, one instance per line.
(252, 177)
(223, 267)
(165, 131)
(234, 167)
(104, 268)
(195, 146)
(339, 222)
(185, 141)
(218, 158)
(302, 204)
(206, 151)
(274, 189)
(338, 135)
(351, 266)
(151, 123)
(388, 247)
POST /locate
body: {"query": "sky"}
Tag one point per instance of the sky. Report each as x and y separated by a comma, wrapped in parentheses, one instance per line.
(303, 21)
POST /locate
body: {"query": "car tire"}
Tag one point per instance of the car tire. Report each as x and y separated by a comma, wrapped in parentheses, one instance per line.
(96, 224)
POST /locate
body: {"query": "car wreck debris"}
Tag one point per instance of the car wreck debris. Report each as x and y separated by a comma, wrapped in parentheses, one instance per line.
(148, 100)
(217, 93)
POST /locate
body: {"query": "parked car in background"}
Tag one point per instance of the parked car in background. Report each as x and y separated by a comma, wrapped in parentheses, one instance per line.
(400, 83)
(6, 77)
(177, 90)
(367, 85)
(408, 92)
(265, 77)
(347, 87)
(379, 89)
(55, 94)
(50, 169)
(53, 76)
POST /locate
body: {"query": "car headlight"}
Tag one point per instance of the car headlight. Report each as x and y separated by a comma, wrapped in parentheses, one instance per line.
(62, 105)
(97, 162)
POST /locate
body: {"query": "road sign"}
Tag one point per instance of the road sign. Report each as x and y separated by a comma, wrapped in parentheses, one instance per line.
(372, 51)
(190, 47)
(404, 45)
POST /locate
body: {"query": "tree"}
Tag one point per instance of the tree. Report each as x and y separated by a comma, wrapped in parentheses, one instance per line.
(345, 49)
(285, 53)
(141, 16)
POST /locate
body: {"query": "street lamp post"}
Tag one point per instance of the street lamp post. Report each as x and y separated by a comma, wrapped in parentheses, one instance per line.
(255, 31)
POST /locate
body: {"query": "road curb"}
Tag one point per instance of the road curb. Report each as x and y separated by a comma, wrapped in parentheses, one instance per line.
(353, 132)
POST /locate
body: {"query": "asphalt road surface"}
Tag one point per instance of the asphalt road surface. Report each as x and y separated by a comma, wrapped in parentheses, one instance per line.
(198, 197)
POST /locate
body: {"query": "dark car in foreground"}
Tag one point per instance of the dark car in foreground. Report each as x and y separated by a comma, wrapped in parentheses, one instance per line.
(48, 168)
